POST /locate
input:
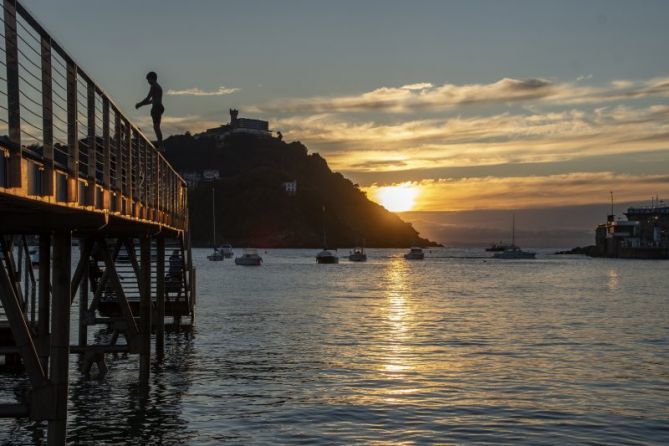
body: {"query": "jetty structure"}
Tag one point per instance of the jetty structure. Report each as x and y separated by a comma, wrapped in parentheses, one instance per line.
(73, 168)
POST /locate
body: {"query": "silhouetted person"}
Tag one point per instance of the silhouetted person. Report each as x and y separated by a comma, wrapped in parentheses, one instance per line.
(155, 98)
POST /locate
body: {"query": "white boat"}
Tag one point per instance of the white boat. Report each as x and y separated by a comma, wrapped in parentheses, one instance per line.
(217, 255)
(250, 257)
(513, 251)
(227, 251)
(326, 256)
(357, 255)
(415, 253)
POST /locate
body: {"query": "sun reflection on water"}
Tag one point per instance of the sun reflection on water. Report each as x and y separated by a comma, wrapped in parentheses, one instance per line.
(614, 280)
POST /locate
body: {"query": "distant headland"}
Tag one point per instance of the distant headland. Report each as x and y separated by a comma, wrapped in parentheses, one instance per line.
(273, 194)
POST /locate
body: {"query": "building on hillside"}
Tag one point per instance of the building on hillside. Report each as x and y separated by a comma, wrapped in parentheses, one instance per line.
(290, 187)
(644, 235)
(238, 125)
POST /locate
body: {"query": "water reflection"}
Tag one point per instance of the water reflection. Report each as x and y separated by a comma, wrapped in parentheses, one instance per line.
(398, 361)
(614, 279)
(118, 409)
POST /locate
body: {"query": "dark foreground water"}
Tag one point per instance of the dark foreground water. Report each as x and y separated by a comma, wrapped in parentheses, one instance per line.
(454, 349)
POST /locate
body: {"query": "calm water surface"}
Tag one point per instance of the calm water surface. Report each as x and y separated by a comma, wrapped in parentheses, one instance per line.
(455, 349)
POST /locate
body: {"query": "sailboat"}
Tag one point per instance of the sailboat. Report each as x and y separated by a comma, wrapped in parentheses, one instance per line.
(217, 255)
(326, 256)
(513, 251)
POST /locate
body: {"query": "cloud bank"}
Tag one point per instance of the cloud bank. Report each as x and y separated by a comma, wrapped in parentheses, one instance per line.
(195, 91)
(426, 96)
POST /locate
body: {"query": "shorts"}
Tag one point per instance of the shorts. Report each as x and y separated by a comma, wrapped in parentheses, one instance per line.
(157, 111)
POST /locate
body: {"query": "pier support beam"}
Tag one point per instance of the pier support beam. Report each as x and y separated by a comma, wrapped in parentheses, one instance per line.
(145, 311)
(160, 298)
(60, 336)
(44, 305)
(83, 292)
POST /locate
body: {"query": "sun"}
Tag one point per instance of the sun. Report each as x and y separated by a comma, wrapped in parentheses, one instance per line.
(397, 198)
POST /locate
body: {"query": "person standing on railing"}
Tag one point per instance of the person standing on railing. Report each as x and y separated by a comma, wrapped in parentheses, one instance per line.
(155, 98)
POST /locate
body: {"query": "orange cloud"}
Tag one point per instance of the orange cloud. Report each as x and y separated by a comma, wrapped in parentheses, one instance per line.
(530, 192)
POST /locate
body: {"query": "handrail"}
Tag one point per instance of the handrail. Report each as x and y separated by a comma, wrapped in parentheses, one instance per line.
(101, 161)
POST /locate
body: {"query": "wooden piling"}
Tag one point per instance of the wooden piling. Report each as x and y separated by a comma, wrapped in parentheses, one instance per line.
(60, 336)
(160, 291)
(83, 293)
(145, 311)
(44, 298)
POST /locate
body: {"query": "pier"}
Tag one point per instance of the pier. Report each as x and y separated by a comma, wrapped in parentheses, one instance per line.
(92, 216)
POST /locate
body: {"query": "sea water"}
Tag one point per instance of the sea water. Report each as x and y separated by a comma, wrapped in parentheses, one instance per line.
(456, 349)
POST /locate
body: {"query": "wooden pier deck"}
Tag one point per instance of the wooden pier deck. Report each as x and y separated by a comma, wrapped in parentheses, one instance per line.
(74, 168)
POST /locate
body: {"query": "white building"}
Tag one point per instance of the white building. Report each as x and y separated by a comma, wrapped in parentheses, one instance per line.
(290, 187)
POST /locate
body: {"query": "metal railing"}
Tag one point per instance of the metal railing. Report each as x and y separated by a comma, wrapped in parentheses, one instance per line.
(64, 141)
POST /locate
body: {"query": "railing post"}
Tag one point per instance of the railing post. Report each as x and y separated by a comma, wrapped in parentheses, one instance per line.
(13, 105)
(47, 119)
(128, 169)
(118, 177)
(72, 133)
(106, 147)
(92, 145)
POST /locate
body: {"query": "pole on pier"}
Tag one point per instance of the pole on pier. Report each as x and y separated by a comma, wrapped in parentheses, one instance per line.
(145, 311)
(44, 298)
(160, 291)
(60, 336)
(83, 293)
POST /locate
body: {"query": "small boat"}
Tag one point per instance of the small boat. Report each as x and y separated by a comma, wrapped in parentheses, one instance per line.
(499, 247)
(227, 251)
(513, 251)
(215, 256)
(415, 253)
(326, 256)
(357, 255)
(250, 257)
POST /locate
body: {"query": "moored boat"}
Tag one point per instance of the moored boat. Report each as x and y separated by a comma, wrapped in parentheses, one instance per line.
(326, 257)
(514, 252)
(357, 255)
(227, 251)
(215, 256)
(499, 247)
(250, 257)
(415, 253)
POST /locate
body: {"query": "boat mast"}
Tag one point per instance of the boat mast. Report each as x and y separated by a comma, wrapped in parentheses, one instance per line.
(325, 241)
(213, 214)
(513, 230)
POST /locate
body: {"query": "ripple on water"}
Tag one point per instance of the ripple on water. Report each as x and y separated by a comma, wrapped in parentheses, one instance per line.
(452, 350)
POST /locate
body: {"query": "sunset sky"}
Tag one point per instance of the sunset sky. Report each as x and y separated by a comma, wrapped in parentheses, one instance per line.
(477, 106)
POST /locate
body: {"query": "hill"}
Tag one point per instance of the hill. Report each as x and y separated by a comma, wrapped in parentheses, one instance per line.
(254, 209)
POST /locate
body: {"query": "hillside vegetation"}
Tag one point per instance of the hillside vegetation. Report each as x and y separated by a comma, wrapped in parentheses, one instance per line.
(253, 209)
